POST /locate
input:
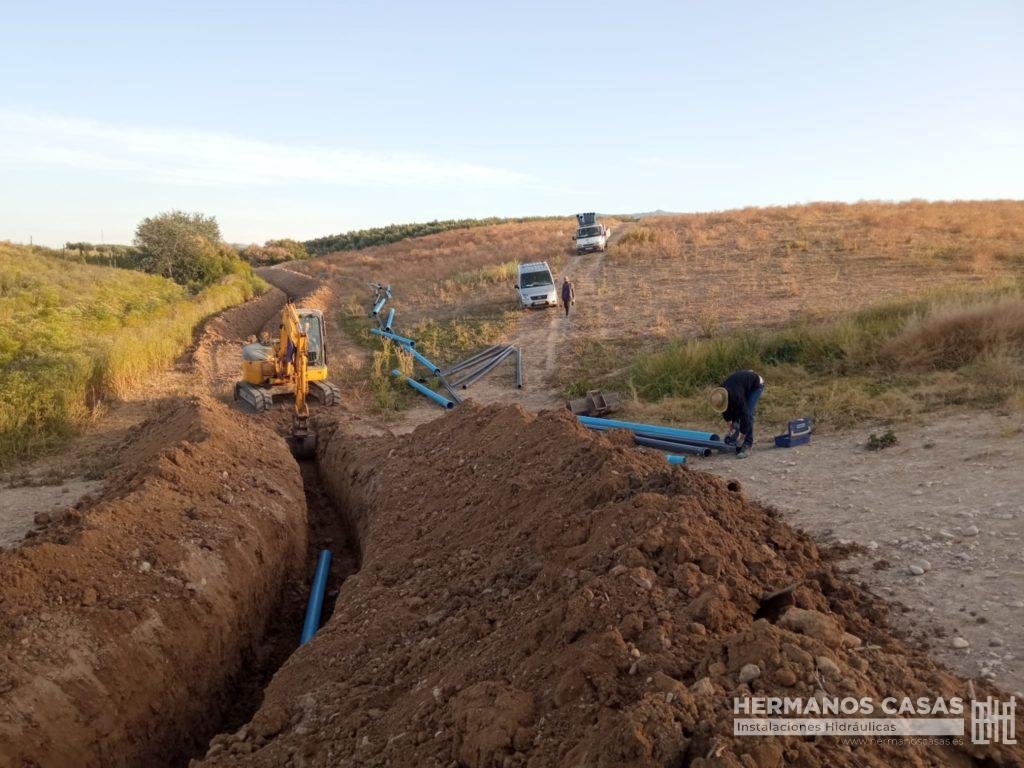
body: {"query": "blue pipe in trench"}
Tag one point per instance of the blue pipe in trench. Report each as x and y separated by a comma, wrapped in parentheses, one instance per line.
(316, 597)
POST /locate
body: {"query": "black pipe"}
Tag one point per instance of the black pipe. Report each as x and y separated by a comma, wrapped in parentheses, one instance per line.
(718, 445)
(479, 365)
(470, 360)
(451, 390)
(474, 377)
(671, 445)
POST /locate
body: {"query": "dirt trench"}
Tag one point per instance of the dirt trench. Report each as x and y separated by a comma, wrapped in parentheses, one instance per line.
(140, 623)
(126, 625)
(535, 595)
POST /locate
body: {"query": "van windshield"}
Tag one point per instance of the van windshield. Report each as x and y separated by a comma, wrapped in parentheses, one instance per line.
(535, 279)
(589, 232)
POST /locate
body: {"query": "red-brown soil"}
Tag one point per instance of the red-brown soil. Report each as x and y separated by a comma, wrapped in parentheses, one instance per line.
(531, 594)
(136, 625)
(124, 626)
(535, 595)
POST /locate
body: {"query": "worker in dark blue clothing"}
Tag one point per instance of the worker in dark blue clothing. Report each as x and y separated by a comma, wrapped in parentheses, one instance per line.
(737, 401)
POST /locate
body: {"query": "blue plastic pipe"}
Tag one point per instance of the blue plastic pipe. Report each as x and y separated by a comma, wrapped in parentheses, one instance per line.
(442, 401)
(391, 319)
(422, 360)
(394, 337)
(651, 430)
(379, 305)
(316, 597)
(673, 459)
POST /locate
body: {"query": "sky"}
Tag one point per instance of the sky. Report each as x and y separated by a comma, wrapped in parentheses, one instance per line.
(304, 119)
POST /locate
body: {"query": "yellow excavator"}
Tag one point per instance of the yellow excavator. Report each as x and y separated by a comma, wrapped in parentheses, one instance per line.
(296, 364)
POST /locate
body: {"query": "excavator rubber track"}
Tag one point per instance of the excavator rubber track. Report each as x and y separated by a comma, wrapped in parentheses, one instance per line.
(255, 398)
(325, 392)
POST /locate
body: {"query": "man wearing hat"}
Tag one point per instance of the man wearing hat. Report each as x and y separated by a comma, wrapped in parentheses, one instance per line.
(737, 400)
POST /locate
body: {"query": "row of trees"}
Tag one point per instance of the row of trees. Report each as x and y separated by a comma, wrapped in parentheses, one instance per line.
(188, 247)
(274, 252)
(365, 238)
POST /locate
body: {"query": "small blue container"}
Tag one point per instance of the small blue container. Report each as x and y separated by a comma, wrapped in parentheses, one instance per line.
(799, 433)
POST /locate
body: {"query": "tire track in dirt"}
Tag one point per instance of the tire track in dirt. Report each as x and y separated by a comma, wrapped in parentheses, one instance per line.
(544, 336)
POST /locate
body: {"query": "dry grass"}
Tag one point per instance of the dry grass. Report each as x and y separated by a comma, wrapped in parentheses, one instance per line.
(958, 333)
(890, 362)
(770, 265)
(718, 280)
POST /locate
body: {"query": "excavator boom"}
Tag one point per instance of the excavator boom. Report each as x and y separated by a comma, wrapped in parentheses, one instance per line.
(293, 365)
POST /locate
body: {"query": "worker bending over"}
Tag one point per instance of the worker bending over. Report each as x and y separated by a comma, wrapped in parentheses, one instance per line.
(737, 400)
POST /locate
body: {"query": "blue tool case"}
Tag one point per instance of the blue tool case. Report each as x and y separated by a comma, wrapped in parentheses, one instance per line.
(799, 432)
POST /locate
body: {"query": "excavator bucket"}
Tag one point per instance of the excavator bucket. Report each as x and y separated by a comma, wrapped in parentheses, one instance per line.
(301, 441)
(303, 447)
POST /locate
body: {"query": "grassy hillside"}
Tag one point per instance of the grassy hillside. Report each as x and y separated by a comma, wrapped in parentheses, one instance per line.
(72, 334)
(891, 362)
(819, 296)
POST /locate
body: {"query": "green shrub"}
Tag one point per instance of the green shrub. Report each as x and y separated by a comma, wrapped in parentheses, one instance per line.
(880, 443)
(949, 347)
(72, 334)
(187, 248)
(274, 252)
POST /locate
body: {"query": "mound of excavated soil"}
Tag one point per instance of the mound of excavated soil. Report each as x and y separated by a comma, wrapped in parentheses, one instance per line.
(536, 595)
(123, 625)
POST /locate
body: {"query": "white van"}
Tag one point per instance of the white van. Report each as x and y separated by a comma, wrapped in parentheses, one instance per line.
(536, 286)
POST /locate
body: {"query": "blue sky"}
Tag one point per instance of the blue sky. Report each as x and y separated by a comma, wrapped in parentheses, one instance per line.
(304, 119)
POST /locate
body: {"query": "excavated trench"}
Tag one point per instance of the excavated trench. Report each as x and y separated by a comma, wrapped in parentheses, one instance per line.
(594, 607)
(137, 627)
(328, 528)
(140, 624)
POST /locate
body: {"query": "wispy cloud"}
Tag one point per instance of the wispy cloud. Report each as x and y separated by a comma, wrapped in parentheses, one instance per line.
(208, 158)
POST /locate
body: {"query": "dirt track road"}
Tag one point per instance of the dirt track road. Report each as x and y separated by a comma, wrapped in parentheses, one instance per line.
(543, 336)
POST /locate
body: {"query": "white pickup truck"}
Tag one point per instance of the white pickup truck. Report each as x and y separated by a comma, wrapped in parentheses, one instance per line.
(590, 236)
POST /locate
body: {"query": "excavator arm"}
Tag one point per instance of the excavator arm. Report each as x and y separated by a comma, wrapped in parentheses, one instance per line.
(283, 366)
(293, 352)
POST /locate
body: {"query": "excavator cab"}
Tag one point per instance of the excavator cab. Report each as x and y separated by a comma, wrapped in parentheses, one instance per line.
(295, 364)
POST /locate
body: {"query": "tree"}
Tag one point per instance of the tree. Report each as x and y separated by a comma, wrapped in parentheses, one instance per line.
(185, 247)
(295, 249)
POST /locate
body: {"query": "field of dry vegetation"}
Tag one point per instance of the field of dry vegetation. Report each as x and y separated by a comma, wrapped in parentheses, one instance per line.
(859, 311)
(871, 310)
(452, 291)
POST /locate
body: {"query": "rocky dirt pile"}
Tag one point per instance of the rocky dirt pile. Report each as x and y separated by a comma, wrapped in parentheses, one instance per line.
(123, 626)
(536, 595)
